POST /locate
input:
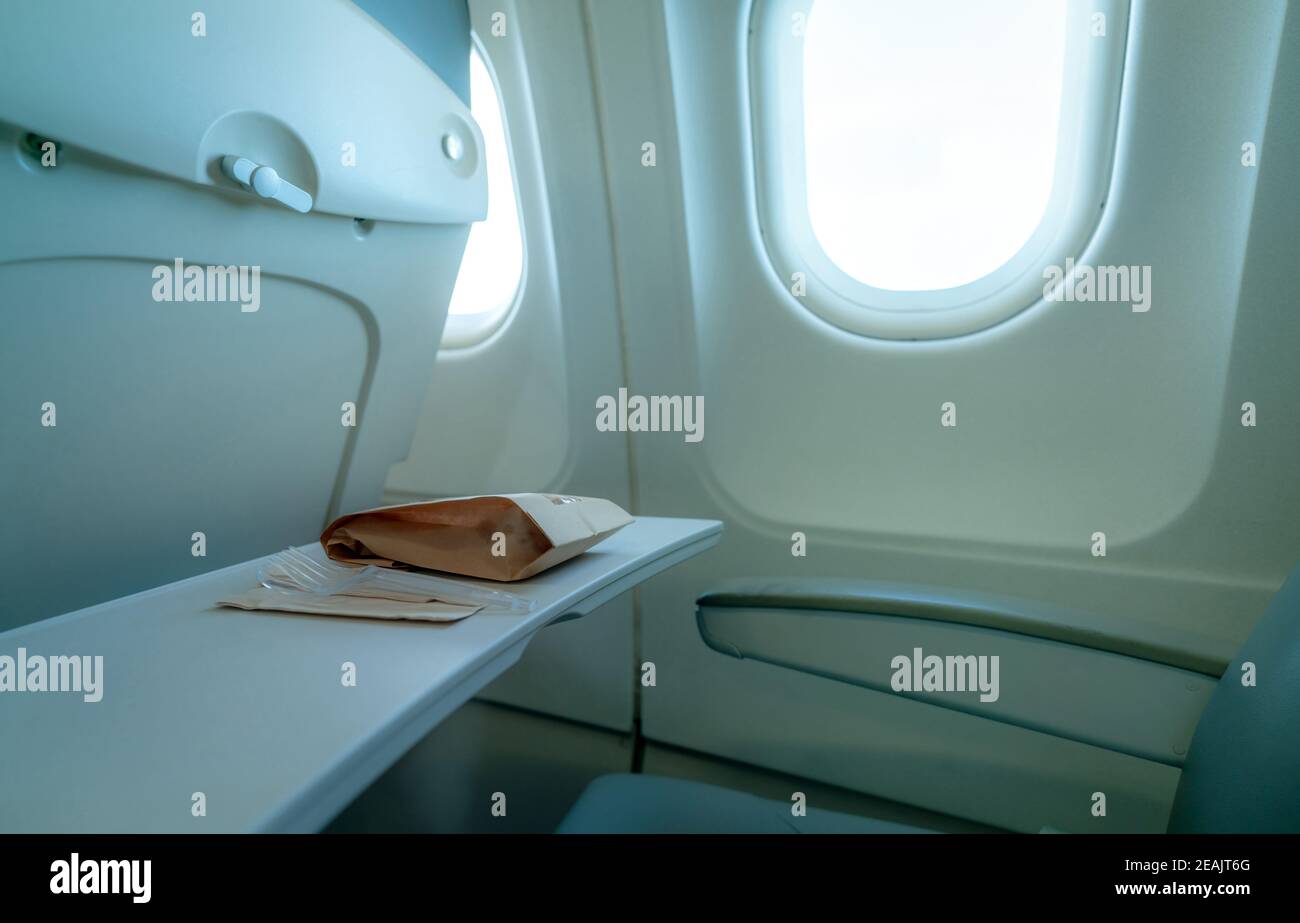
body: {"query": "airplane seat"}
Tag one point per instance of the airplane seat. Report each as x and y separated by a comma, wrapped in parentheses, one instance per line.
(204, 364)
(1240, 774)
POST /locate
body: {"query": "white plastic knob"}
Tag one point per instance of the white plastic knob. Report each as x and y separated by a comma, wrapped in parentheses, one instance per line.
(266, 182)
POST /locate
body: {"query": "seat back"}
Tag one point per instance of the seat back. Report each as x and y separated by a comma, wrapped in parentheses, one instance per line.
(159, 420)
(1242, 773)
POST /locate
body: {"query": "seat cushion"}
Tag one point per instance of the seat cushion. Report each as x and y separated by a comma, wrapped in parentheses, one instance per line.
(1242, 772)
(627, 803)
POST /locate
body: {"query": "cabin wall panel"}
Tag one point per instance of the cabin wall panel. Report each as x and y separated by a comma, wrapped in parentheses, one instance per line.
(1073, 418)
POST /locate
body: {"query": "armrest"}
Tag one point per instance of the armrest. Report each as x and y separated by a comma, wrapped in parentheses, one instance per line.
(1081, 628)
(1067, 673)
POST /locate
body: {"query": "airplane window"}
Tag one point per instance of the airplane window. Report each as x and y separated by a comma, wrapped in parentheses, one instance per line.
(494, 257)
(918, 164)
(930, 134)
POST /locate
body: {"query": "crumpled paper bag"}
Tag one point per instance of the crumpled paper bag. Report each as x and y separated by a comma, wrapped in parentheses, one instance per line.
(501, 537)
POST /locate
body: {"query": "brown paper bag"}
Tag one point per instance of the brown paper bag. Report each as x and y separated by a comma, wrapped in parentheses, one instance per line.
(529, 532)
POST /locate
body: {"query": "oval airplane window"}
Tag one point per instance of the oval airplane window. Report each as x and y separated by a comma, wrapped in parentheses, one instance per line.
(920, 164)
(493, 264)
(929, 155)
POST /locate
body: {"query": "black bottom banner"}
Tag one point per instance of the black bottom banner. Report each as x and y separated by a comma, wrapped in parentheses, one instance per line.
(463, 872)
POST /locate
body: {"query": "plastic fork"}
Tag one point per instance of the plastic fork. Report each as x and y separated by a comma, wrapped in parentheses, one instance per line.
(326, 578)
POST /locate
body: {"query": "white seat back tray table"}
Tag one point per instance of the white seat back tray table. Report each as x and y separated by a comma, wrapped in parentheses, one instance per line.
(249, 708)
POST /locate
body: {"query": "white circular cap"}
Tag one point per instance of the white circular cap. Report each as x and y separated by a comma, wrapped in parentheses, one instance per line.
(452, 146)
(265, 182)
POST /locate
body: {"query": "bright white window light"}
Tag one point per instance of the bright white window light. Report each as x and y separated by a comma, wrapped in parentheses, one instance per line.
(930, 134)
(494, 257)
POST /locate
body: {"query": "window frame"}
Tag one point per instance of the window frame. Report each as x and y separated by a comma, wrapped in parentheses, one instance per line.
(464, 331)
(1089, 118)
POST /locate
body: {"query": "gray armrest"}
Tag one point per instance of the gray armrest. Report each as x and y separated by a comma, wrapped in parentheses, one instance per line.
(1004, 613)
(1072, 674)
